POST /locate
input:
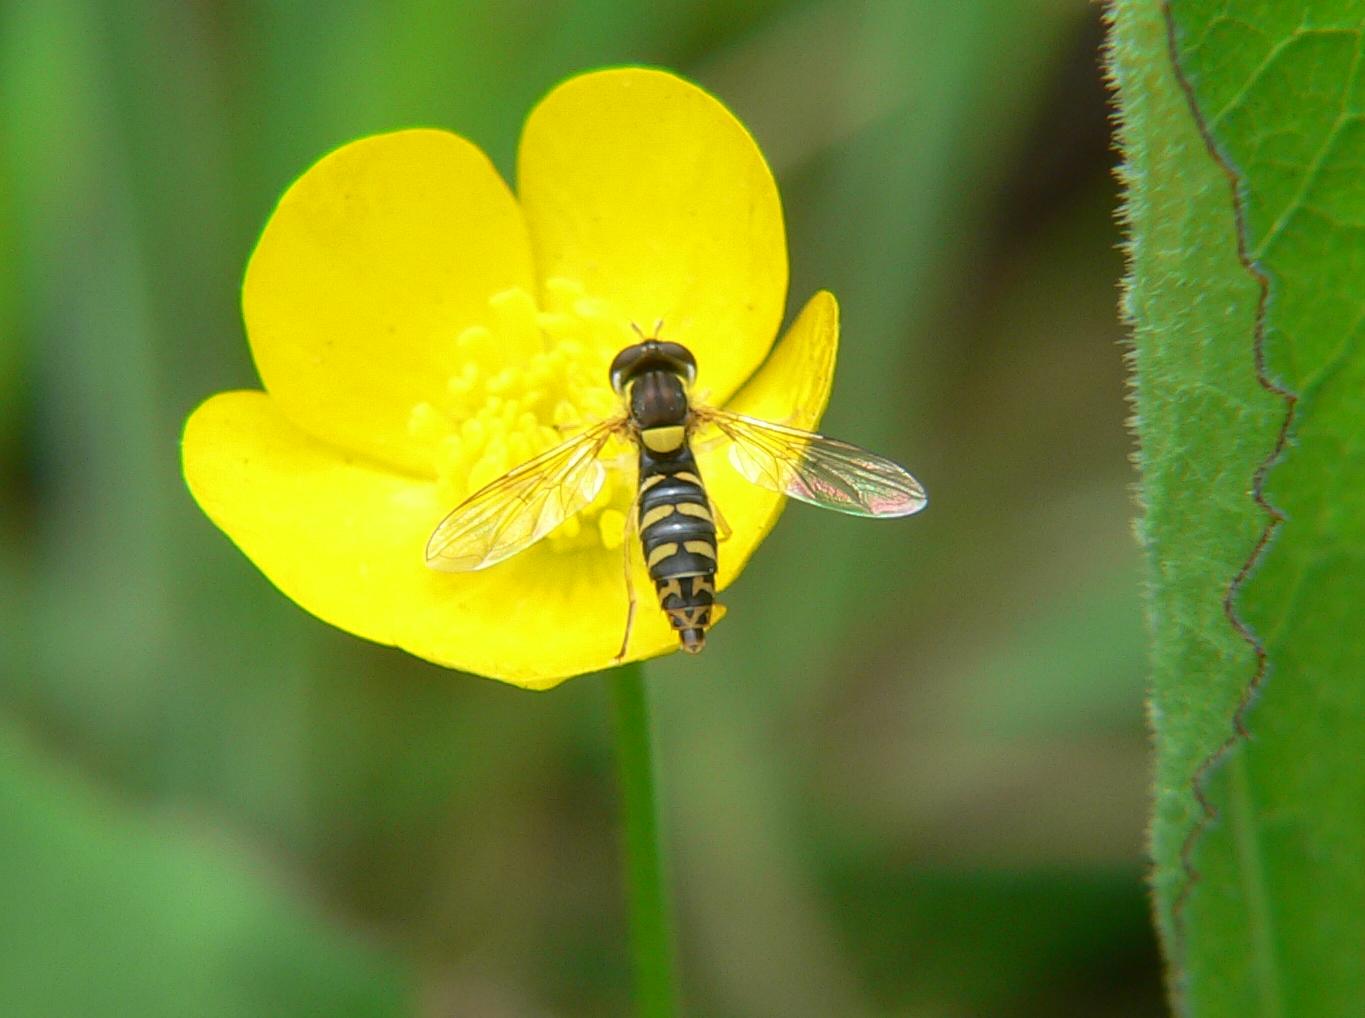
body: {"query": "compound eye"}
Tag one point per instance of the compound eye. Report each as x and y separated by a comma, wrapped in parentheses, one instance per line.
(682, 357)
(621, 365)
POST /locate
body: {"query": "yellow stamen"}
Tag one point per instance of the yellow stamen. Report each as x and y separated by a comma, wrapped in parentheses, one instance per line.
(497, 414)
(611, 525)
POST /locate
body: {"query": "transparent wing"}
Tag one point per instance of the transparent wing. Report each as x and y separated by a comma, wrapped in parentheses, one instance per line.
(822, 471)
(522, 506)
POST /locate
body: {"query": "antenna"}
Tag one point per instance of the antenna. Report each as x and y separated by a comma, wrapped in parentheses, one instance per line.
(658, 327)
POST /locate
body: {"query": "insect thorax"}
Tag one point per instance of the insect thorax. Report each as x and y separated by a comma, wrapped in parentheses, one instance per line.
(658, 410)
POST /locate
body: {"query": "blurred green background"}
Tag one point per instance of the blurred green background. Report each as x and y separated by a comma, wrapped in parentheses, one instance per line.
(909, 775)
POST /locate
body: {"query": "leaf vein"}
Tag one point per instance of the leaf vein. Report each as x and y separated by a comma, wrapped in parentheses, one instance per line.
(1314, 168)
(1274, 517)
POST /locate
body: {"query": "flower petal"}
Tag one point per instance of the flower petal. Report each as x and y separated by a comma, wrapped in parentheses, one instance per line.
(651, 194)
(373, 262)
(344, 539)
(792, 388)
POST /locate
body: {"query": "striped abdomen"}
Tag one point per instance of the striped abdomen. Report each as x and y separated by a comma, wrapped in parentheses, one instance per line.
(679, 537)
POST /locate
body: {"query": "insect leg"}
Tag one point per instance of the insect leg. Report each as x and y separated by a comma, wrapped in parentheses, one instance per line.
(723, 529)
(630, 539)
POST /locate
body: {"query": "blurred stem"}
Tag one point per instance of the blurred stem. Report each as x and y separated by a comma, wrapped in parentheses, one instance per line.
(651, 918)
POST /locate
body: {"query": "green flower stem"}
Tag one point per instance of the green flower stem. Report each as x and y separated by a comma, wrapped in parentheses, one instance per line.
(651, 917)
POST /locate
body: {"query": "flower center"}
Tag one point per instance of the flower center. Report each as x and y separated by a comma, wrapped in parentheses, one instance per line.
(500, 410)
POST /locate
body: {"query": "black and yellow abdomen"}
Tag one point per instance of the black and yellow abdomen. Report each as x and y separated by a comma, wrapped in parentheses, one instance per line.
(679, 538)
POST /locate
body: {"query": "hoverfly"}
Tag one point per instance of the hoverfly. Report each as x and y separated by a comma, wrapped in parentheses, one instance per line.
(671, 513)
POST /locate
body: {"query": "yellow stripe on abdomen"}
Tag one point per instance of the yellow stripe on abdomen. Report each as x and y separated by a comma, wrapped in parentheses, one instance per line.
(662, 552)
(693, 509)
(659, 512)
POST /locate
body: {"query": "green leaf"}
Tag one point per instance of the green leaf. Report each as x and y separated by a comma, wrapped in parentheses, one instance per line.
(1244, 157)
(107, 915)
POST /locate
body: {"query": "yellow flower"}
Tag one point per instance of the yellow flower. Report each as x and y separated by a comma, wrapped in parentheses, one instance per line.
(419, 330)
